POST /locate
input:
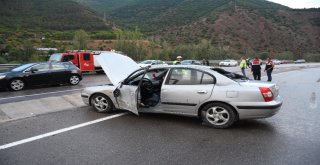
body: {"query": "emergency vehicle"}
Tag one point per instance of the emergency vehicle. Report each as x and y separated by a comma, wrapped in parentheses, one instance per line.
(84, 60)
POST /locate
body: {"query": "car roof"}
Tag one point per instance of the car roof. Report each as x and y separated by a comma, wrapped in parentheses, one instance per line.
(182, 66)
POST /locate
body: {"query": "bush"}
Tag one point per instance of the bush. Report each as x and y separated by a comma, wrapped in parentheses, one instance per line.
(284, 56)
(312, 57)
(3, 60)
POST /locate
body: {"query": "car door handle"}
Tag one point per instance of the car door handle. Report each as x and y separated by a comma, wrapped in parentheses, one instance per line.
(202, 92)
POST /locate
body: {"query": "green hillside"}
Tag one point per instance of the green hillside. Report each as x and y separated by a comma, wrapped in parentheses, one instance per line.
(152, 14)
(49, 14)
(214, 29)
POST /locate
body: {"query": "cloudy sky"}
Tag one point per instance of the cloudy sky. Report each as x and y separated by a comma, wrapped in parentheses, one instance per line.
(299, 3)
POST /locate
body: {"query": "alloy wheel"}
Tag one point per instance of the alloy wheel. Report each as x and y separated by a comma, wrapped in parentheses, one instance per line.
(17, 85)
(74, 80)
(217, 115)
(101, 103)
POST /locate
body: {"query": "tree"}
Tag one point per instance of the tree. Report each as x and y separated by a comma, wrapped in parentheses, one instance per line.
(80, 40)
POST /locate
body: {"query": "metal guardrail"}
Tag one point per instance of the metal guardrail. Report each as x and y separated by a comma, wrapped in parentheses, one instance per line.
(7, 66)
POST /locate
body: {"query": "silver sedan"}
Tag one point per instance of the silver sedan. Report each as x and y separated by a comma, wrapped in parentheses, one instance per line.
(218, 97)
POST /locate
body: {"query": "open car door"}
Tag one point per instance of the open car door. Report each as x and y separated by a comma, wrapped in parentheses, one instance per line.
(118, 67)
(128, 98)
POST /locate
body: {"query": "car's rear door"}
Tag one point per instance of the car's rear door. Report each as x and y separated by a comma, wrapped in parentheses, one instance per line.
(184, 89)
(59, 73)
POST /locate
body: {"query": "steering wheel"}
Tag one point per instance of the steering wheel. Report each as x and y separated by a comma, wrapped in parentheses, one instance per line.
(147, 86)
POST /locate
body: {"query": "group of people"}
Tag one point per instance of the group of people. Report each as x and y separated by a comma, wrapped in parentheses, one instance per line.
(255, 66)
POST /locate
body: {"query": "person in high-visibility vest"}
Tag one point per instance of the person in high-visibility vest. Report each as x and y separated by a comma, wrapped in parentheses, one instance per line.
(243, 66)
(177, 61)
(256, 68)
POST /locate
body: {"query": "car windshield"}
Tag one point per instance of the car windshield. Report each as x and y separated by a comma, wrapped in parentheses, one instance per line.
(21, 67)
(55, 57)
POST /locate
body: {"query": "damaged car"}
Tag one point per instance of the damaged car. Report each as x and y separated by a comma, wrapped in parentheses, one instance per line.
(218, 97)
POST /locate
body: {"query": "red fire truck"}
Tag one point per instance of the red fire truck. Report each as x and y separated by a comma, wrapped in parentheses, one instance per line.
(85, 60)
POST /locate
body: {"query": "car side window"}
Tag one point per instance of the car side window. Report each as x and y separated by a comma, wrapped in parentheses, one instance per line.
(41, 67)
(57, 67)
(86, 57)
(67, 58)
(207, 79)
(183, 76)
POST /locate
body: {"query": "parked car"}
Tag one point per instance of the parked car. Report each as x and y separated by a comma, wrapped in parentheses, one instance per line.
(191, 62)
(151, 62)
(300, 61)
(42, 73)
(228, 63)
(285, 61)
(276, 62)
(218, 97)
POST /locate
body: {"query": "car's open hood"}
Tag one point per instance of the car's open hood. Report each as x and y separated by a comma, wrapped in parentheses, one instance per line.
(116, 66)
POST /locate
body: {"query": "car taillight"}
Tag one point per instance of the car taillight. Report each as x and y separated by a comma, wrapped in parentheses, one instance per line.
(267, 94)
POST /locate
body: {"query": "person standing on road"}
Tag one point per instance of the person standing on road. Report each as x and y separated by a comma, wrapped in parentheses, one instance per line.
(243, 66)
(178, 60)
(204, 62)
(256, 68)
(269, 68)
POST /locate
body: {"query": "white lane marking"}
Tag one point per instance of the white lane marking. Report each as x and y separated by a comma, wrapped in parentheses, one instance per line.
(9, 145)
(41, 94)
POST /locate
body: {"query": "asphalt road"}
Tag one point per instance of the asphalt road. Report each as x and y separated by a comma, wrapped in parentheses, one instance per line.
(290, 137)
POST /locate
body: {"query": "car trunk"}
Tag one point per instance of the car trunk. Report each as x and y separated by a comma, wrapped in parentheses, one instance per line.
(273, 87)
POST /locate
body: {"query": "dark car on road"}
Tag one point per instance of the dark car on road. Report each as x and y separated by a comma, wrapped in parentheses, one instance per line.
(41, 73)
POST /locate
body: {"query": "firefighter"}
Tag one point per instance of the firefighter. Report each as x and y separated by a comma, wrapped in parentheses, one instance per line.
(177, 61)
(256, 68)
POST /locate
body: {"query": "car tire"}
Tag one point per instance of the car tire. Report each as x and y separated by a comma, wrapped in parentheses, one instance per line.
(16, 84)
(101, 103)
(74, 80)
(218, 115)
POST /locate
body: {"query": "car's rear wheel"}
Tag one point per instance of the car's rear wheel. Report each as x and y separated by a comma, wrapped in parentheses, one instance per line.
(16, 84)
(218, 115)
(101, 103)
(74, 80)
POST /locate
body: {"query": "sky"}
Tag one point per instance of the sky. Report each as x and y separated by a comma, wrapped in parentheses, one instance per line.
(299, 3)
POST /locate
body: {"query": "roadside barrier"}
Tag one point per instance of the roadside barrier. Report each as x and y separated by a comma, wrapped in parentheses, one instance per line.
(7, 66)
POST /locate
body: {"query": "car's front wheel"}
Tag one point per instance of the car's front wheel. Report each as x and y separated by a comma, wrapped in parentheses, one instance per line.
(101, 103)
(74, 80)
(218, 115)
(16, 84)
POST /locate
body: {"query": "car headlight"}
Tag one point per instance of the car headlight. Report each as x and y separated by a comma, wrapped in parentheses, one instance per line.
(2, 76)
